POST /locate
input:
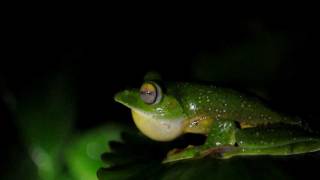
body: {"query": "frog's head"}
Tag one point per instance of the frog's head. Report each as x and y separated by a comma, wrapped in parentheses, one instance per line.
(157, 114)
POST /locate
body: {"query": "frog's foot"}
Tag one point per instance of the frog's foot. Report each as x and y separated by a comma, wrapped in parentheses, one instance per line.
(182, 154)
(193, 152)
(218, 152)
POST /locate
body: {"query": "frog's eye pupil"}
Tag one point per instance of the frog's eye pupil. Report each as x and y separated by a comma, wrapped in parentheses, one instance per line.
(149, 93)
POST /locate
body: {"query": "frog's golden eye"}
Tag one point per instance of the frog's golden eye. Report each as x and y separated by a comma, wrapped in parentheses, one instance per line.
(150, 93)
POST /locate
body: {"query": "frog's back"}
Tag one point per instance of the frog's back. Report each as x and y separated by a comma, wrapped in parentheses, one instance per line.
(226, 104)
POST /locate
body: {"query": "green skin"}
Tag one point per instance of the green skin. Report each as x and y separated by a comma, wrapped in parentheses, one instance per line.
(234, 123)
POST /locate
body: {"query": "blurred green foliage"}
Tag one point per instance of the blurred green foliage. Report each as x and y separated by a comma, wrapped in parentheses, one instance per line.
(83, 154)
(45, 117)
(45, 121)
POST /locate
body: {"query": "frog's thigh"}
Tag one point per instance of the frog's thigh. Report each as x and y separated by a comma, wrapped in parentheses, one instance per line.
(274, 140)
(272, 135)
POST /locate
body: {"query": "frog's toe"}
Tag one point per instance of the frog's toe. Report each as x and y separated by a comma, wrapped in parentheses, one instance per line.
(219, 152)
(181, 154)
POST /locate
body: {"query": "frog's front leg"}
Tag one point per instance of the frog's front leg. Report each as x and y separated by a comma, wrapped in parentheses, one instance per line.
(220, 139)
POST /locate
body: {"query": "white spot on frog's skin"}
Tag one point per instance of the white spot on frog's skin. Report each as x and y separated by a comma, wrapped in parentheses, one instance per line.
(158, 129)
(218, 143)
(192, 106)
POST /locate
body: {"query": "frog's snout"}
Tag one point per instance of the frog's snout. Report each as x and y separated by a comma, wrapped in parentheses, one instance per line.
(127, 97)
(121, 96)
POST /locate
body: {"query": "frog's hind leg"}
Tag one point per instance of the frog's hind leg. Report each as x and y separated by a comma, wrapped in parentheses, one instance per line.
(274, 140)
(290, 149)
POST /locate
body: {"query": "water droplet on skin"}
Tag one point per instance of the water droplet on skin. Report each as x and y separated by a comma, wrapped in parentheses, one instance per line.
(225, 125)
(209, 109)
(159, 109)
(192, 107)
(224, 110)
(225, 104)
(208, 100)
(218, 143)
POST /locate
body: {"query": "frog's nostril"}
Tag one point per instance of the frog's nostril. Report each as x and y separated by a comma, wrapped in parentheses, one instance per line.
(126, 92)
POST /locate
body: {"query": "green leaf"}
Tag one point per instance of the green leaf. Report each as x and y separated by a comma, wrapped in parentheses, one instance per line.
(140, 158)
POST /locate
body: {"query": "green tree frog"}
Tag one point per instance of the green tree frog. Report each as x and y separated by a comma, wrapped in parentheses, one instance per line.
(234, 123)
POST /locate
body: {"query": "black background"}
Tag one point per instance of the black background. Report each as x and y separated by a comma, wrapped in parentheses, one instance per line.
(107, 56)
